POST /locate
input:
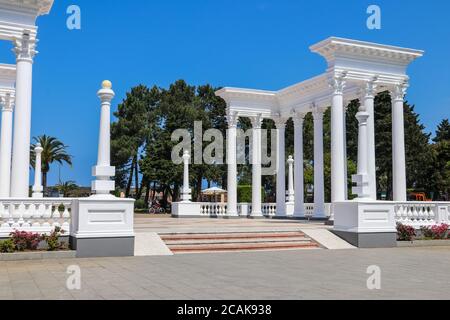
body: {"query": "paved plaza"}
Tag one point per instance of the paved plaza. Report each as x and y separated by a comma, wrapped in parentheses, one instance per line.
(407, 273)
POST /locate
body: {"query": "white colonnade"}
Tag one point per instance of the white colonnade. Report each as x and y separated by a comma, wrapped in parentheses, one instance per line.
(357, 70)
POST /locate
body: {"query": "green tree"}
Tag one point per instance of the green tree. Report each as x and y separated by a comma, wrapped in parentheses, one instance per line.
(54, 151)
(130, 133)
(66, 188)
(443, 131)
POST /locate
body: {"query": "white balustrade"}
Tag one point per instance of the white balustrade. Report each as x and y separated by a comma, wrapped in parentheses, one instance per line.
(213, 209)
(417, 214)
(269, 209)
(34, 215)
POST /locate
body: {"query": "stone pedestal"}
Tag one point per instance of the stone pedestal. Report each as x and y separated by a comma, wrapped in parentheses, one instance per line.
(366, 224)
(186, 210)
(102, 227)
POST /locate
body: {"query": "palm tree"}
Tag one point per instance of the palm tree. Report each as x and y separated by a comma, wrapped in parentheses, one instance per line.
(54, 151)
(66, 188)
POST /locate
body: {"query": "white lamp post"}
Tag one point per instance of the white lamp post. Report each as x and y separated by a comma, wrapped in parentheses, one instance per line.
(186, 192)
(38, 188)
(103, 185)
(291, 192)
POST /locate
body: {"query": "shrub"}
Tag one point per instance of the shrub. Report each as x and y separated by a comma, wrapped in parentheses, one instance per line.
(405, 233)
(437, 232)
(245, 194)
(7, 246)
(140, 204)
(52, 240)
(25, 240)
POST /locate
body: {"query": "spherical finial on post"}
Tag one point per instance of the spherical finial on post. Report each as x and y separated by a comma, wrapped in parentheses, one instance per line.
(38, 149)
(291, 160)
(186, 156)
(106, 84)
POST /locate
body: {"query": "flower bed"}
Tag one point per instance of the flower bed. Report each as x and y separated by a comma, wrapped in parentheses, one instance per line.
(434, 233)
(22, 241)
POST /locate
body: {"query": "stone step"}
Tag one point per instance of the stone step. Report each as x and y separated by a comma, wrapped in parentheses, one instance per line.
(243, 247)
(233, 235)
(237, 241)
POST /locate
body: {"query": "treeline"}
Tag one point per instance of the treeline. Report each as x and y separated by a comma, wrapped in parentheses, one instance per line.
(142, 146)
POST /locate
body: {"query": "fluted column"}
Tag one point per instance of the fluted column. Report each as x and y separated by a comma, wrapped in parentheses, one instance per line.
(319, 188)
(368, 101)
(345, 147)
(338, 181)
(232, 165)
(398, 142)
(38, 188)
(281, 167)
(256, 167)
(299, 208)
(20, 172)
(6, 145)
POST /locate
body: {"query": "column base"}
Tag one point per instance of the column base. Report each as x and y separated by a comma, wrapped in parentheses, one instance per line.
(103, 247)
(366, 224)
(257, 216)
(369, 240)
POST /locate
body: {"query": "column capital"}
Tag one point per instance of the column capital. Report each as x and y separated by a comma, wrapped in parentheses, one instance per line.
(337, 83)
(398, 92)
(25, 47)
(298, 118)
(7, 102)
(317, 113)
(232, 119)
(257, 121)
(369, 89)
(280, 122)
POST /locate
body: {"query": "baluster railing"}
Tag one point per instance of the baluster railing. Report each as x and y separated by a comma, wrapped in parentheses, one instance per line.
(34, 215)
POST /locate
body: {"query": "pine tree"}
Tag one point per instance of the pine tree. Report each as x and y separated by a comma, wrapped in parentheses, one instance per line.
(443, 131)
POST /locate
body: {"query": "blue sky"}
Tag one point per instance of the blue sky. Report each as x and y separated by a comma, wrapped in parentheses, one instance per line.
(252, 43)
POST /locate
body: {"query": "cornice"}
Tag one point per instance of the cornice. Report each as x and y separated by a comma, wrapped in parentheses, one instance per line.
(37, 7)
(334, 46)
(348, 79)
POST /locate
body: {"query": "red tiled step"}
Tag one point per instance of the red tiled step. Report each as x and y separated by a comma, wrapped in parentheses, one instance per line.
(185, 242)
(242, 247)
(235, 236)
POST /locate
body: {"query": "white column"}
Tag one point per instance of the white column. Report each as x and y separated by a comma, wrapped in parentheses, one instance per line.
(281, 167)
(398, 142)
(38, 188)
(20, 172)
(338, 181)
(291, 192)
(256, 168)
(369, 105)
(299, 208)
(103, 185)
(6, 145)
(232, 165)
(186, 192)
(345, 148)
(319, 188)
(361, 179)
